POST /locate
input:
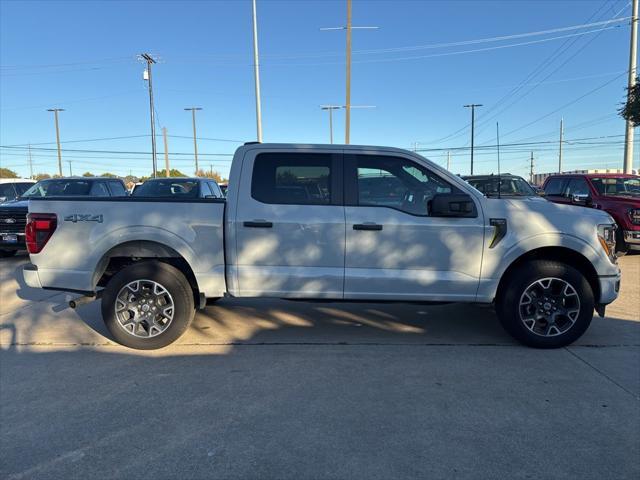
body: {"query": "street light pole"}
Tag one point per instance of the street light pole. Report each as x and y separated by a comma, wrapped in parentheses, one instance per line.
(330, 109)
(55, 113)
(147, 58)
(195, 142)
(256, 74)
(473, 125)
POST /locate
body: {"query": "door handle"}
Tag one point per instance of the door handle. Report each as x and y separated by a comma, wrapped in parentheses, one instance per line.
(258, 224)
(367, 226)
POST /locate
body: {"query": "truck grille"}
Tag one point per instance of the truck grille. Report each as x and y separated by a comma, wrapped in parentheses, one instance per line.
(13, 220)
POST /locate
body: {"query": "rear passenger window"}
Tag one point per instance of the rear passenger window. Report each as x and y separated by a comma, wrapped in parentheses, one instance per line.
(292, 178)
(554, 186)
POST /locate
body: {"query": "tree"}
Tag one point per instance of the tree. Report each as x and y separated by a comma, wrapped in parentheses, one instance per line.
(41, 176)
(109, 175)
(631, 108)
(88, 174)
(6, 173)
(211, 174)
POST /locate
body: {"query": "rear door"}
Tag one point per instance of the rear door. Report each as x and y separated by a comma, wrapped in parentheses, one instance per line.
(394, 248)
(289, 225)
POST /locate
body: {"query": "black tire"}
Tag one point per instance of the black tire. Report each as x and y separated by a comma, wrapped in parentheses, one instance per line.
(175, 284)
(508, 303)
(7, 253)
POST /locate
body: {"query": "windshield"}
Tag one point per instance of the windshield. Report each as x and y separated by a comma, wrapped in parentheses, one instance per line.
(617, 186)
(62, 187)
(170, 188)
(509, 186)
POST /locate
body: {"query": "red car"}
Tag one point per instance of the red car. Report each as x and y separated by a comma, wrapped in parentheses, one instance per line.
(617, 194)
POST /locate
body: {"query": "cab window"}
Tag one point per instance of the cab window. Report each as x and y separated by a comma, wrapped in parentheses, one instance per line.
(397, 183)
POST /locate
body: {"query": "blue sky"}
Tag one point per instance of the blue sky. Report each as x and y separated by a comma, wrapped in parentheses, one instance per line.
(81, 56)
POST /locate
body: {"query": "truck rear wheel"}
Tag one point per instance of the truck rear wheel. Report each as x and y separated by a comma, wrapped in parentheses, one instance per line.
(546, 304)
(147, 305)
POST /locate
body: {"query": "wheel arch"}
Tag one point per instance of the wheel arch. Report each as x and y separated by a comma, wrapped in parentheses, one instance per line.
(558, 254)
(133, 251)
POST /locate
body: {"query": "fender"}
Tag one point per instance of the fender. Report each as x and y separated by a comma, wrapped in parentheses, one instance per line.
(497, 261)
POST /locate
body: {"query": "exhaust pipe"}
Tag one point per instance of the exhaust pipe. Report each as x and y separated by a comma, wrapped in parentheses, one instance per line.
(76, 302)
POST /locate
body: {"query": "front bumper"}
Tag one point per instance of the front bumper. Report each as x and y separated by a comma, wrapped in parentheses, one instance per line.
(609, 288)
(632, 239)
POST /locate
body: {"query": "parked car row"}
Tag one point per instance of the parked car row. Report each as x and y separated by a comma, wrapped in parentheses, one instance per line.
(16, 193)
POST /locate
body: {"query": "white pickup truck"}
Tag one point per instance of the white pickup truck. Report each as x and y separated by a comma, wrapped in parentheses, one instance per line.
(328, 222)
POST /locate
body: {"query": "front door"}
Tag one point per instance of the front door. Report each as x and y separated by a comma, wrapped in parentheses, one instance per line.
(394, 249)
(289, 226)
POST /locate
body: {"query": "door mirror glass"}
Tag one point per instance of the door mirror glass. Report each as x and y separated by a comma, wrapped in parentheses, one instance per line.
(453, 205)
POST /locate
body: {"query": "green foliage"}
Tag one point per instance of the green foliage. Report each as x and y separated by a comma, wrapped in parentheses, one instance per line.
(631, 108)
(88, 174)
(108, 174)
(6, 173)
(41, 176)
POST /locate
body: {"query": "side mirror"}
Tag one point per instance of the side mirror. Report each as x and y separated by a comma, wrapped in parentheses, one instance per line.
(453, 205)
(581, 199)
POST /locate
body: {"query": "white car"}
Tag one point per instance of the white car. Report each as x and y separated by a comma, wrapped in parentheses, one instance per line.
(327, 222)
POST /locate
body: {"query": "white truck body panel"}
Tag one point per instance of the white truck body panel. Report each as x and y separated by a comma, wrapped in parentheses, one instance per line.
(312, 251)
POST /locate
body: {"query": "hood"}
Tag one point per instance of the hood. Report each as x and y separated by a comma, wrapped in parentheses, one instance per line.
(17, 203)
(556, 213)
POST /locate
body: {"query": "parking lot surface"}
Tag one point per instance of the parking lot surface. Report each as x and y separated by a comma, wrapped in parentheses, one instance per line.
(276, 389)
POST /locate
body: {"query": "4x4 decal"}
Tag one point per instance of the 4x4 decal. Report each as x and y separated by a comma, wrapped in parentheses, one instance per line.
(77, 217)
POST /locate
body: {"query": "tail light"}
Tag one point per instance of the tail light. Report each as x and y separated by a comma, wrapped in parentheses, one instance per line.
(40, 227)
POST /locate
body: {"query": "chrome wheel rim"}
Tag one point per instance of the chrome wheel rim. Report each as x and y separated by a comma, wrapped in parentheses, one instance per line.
(144, 308)
(549, 307)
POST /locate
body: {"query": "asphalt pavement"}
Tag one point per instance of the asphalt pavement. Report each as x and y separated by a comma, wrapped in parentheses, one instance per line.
(276, 389)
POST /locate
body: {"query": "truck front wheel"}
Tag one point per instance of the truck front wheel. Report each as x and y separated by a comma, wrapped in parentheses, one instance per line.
(147, 305)
(545, 304)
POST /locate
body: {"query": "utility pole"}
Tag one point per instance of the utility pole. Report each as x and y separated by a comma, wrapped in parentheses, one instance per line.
(415, 146)
(473, 126)
(531, 169)
(449, 160)
(147, 58)
(560, 151)
(211, 170)
(256, 73)
(347, 106)
(55, 113)
(628, 137)
(70, 171)
(166, 153)
(195, 142)
(30, 164)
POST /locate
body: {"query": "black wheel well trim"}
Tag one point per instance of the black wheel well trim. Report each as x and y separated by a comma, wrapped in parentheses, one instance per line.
(128, 253)
(558, 254)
